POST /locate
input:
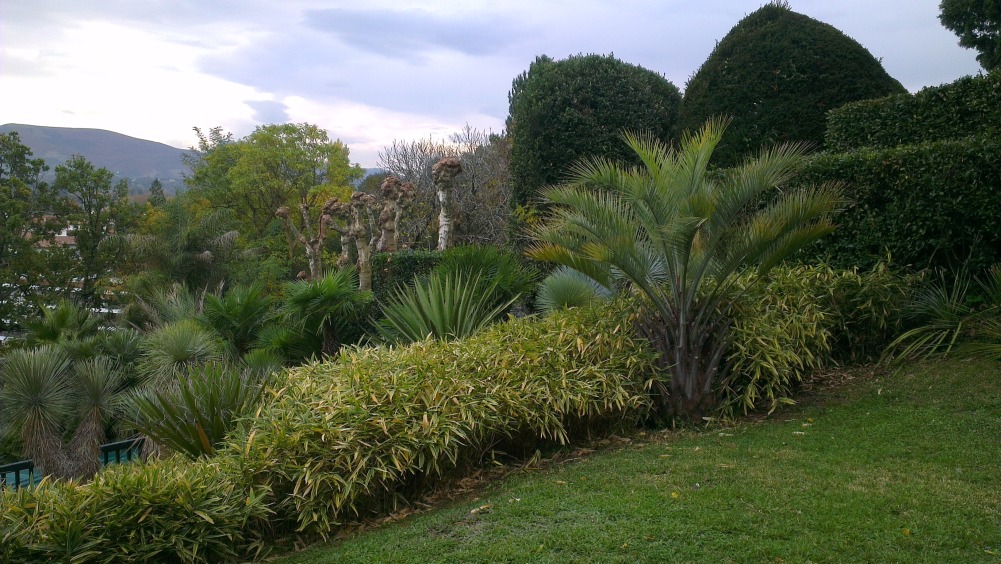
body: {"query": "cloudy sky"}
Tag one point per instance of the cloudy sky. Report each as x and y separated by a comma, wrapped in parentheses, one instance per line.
(377, 70)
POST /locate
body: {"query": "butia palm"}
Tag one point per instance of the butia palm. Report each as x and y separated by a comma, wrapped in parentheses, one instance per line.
(679, 235)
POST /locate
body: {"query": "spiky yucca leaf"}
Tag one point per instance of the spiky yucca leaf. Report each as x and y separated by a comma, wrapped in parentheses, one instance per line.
(174, 348)
(444, 307)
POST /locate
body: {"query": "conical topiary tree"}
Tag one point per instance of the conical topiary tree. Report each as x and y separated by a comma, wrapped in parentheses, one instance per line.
(776, 74)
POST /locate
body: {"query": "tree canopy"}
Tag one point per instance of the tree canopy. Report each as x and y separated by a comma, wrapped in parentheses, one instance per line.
(776, 74)
(576, 108)
(978, 25)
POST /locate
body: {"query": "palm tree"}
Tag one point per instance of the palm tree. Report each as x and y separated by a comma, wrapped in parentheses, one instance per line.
(679, 235)
(327, 306)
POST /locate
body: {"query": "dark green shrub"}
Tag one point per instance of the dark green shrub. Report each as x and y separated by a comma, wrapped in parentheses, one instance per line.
(777, 73)
(508, 272)
(393, 270)
(576, 108)
(967, 107)
(928, 205)
(345, 438)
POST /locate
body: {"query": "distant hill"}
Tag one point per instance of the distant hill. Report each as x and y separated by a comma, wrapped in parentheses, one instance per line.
(137, 160)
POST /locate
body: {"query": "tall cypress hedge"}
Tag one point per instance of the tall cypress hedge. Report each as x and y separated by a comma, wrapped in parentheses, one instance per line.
(777, 73)
(968, 106)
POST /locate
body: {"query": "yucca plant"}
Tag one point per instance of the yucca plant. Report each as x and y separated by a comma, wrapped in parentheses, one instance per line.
(566, 287)
(35, 401)
(98, 385)
(193, 414)
(444, 307)
(681, 235)
(46, 398)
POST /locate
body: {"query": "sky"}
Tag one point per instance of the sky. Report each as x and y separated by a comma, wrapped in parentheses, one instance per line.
(374, 71)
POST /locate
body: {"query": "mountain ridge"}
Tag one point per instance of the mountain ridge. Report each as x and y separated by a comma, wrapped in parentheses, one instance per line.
(137, 160)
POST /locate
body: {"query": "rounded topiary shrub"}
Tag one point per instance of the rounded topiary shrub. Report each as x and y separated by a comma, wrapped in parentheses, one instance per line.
(776, 74)
(563, 111)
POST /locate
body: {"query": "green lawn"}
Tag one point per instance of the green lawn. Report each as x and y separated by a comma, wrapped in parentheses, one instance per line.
(903, 467)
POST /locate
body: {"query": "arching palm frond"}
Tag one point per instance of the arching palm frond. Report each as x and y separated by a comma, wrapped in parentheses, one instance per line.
(680, 234)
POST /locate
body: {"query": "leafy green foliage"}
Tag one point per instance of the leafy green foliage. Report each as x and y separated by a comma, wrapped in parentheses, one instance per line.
(167, 511)
(322, 312)
(802, 318)
(967, 107)
(347, 438)
(390, 271)
(445, 306)
(777, 73)
(97, 210)
(566, 287)
(978, 25)
(26, 221)
(681, 238)
(503, 269)
(238, 315)
(942, 317)
(193, 415)
(576, 108)
(925, 205)
(170, 351)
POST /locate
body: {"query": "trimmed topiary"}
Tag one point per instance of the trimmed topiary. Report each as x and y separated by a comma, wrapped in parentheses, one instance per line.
(564, 111)
(777, 73)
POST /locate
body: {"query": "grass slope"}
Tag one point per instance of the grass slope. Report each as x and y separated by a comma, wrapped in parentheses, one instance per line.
(903, 468)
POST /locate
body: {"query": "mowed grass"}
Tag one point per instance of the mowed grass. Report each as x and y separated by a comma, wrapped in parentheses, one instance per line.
(902, 467)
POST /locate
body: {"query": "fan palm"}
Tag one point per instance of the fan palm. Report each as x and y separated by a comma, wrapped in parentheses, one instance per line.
(327, 306)
(679, 235)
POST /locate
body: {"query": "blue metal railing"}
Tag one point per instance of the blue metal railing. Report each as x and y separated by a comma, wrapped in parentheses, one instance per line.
(22, 473)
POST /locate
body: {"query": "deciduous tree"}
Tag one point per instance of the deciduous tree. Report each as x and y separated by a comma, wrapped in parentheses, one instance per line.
(978, 25)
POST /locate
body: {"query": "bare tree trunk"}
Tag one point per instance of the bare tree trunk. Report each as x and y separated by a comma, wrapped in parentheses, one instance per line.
(443, 173)
(361, 228)
(396, 196)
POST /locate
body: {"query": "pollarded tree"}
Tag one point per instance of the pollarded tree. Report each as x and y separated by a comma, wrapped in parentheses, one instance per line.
(564, 111)
(480, 195)
(776, 74)
(978, 25)
(681, 237)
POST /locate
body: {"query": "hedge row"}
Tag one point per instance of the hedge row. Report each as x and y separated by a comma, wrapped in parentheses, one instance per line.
(970, 106)
(348, 438)
(928, 205)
